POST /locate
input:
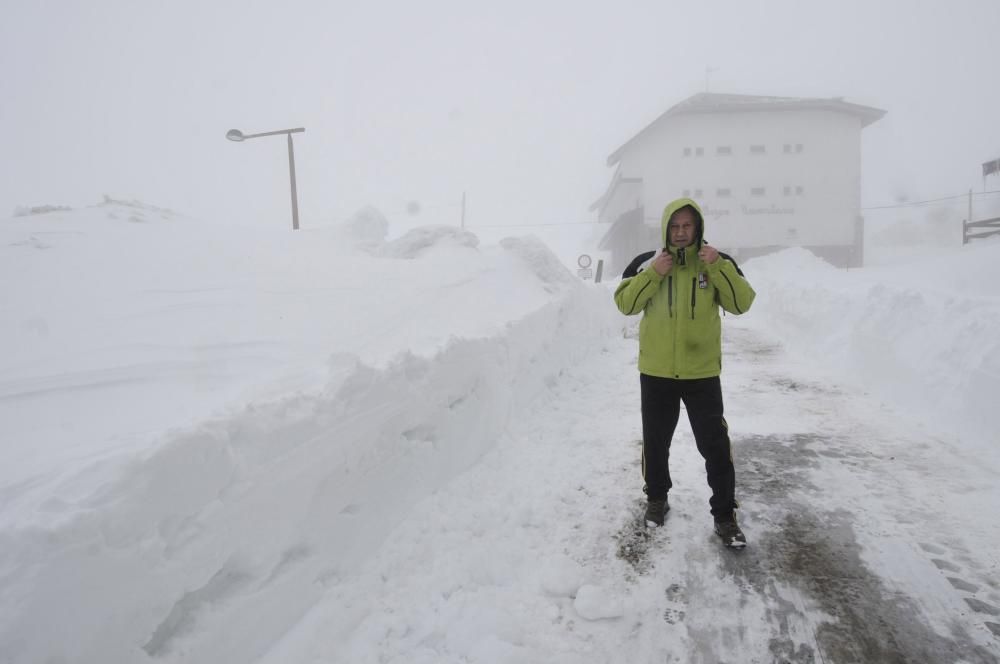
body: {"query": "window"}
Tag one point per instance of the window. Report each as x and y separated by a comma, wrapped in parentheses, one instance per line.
(687, 152)
(787, 148)
(724, 150)
(788, 190)
(699, 152)
(758, 191)
(686, 193)
(697, 193)
(799, 190)
(798, 148)
(758, 149)
(722, 193)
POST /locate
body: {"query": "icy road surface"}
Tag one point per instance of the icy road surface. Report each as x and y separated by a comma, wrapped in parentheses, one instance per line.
(864, 543)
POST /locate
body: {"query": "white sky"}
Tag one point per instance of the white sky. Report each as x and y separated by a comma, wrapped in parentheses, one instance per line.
(517, 103)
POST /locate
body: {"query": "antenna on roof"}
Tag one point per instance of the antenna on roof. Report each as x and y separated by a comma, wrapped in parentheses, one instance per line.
(708, 72)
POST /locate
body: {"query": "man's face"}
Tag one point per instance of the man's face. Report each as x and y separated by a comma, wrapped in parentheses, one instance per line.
(682, 228)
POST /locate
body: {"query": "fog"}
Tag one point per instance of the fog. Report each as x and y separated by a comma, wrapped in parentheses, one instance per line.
(225, 441)
(408, 106)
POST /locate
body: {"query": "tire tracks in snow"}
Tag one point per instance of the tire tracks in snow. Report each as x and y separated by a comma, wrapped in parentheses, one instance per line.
(832, 573)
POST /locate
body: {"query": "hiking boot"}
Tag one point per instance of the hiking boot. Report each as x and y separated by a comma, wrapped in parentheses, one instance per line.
(729, 531)
(656, 510)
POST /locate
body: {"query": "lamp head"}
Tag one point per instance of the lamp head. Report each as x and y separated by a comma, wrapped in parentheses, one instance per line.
(234, 135)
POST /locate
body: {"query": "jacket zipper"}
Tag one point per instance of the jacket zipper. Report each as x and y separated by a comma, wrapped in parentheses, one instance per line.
(733, 289)
(676, 326)
(637, 295)
(670, 296)
(694, 294)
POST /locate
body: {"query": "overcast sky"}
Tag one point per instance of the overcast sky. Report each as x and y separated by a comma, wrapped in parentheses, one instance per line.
(516, 103)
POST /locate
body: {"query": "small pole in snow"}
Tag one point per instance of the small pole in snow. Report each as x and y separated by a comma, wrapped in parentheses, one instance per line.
(708, 72)
(291, 177)
(463, 209)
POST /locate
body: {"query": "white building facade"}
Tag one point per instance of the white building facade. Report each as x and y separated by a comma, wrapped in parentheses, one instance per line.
(768, 172)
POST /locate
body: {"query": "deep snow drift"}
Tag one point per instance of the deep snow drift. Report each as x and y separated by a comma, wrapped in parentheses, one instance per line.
(192, 415)
(923, 335)
(211, 435)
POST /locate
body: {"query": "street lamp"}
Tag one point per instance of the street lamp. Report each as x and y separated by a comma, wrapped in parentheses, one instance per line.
(239, 136)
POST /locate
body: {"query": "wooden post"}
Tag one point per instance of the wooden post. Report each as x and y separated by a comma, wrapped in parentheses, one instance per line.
(970, 206)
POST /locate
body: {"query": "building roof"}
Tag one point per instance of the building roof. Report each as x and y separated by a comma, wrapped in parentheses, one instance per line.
(711, 102)
(616, 179)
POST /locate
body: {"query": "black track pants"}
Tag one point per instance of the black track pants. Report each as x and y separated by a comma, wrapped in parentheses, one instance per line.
(661, 403)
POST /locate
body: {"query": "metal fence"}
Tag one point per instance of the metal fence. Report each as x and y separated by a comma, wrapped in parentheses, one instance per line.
(977, 230)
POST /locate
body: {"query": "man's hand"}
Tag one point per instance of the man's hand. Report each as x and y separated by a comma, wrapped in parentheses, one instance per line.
(708, 254)
(663, 262)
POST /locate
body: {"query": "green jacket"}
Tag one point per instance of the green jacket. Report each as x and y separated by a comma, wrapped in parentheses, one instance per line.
(680, 334)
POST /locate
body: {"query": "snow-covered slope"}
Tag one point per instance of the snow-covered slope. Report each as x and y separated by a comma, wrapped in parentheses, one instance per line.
(869, 541)
(197, 419)
(209, 433)
(923, 335)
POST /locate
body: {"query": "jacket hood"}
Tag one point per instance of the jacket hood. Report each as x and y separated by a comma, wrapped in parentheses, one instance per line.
(669, 212)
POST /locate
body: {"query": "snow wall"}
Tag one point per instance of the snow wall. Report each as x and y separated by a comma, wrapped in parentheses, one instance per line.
(211, 546)
(921, 336)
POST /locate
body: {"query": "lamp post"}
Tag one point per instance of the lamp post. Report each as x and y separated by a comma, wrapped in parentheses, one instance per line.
(238, 136)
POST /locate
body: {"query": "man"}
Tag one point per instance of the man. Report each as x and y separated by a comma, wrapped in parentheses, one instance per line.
(679, 294)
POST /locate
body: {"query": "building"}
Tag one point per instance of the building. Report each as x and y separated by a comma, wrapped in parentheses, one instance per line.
(768, 172)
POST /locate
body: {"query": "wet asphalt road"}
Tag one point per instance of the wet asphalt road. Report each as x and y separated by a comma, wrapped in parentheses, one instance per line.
(825, 603)
(817, 553)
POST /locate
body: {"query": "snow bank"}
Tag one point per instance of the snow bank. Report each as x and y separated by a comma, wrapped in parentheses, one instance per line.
(29, 210)
(415, 242)
(922, 336)
(211, 539)
(366, 229)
